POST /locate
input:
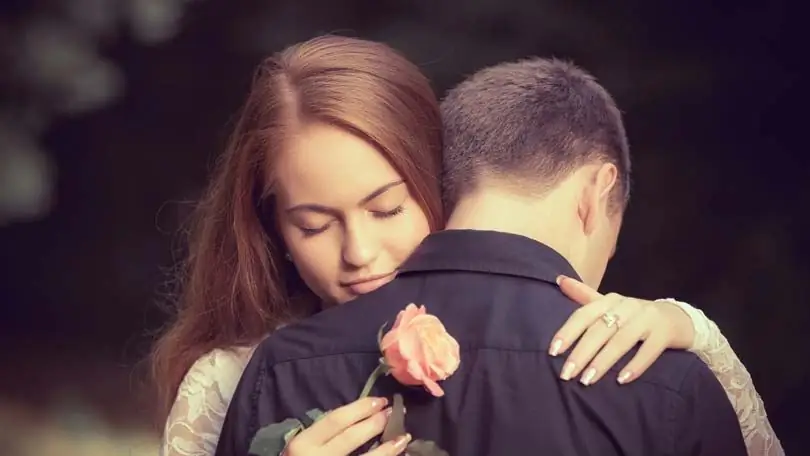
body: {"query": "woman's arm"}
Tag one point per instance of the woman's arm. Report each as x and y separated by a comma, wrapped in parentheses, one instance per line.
(658, 325)
(195, 421)
(713, 348)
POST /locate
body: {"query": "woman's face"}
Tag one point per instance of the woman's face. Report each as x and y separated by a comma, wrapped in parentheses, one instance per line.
(346, 216)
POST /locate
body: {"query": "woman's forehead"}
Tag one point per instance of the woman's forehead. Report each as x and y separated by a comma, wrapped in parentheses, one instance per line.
(327, 165)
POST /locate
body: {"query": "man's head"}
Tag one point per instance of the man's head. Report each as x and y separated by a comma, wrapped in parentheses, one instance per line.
(547, 133)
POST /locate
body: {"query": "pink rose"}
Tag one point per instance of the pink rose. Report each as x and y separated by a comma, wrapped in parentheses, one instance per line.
(419, 351)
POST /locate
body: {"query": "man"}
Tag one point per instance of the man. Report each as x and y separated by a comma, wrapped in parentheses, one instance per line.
(537, 172)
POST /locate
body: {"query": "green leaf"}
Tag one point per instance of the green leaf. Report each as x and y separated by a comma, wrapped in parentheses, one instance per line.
(425, 448)
(316, 414)
(396, 422)
(292, 433)
(385, 369)
(381, 333)
(271, 439)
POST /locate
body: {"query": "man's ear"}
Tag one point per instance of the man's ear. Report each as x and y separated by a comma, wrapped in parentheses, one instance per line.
(606, 178)
(596, 196)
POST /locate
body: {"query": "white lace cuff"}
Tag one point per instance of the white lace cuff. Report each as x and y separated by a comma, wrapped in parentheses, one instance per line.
(713, 349)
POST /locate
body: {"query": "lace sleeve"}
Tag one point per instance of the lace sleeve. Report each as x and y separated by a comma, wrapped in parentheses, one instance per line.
(712, 347)
(196, 418)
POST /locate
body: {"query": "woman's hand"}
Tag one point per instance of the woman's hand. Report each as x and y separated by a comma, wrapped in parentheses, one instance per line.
(345, 429)
(610, 326)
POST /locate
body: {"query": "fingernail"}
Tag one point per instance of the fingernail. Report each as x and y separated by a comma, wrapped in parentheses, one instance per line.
(588, 376)
(624, 377)
(555, 347)
(560, 279)
(378, 402)
(568, 371)
(388, 411)
(402, 441)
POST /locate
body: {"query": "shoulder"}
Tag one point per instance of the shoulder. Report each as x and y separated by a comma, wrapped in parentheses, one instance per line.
(351, 327)
(202, 400)
(674, 370)
(218, 370)
(222, 360)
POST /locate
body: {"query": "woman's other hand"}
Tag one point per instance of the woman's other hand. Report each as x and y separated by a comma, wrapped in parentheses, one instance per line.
(610, 326)
(345, 429)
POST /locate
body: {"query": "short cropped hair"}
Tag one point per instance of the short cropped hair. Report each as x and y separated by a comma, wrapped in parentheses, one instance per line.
(530, 124)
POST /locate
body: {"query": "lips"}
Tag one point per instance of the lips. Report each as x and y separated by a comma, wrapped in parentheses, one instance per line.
(368, 284)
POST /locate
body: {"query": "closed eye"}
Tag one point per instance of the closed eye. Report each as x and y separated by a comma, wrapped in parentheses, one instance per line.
(308, 232)
(313, 231)
(388, 214)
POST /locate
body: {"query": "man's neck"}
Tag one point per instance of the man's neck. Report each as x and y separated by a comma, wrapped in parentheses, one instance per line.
(547, 221)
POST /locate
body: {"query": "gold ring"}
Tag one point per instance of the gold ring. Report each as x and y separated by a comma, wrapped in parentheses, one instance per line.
(610, 319)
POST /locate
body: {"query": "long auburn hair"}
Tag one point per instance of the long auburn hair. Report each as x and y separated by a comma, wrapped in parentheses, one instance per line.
(235, 285)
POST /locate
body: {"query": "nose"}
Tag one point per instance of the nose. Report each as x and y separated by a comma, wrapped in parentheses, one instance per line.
(360, 245)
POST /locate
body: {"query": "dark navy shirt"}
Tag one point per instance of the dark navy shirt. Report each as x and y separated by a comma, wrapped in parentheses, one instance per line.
(496, 295)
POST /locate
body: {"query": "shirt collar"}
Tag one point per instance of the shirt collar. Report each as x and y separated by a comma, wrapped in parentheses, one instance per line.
(489, 252)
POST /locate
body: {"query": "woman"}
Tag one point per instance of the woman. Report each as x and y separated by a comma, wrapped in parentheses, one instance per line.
(324, 118)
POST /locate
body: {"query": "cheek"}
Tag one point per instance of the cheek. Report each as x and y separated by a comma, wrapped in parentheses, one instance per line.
(314, 260)
(406, 234)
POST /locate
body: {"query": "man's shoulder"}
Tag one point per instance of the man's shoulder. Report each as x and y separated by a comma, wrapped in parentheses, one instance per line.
(347, 328)
(674, 370)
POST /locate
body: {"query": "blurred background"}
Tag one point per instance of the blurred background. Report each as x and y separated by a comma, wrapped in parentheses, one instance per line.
(112, 112)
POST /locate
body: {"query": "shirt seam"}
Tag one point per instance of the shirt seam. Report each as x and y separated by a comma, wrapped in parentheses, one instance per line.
(675, 390)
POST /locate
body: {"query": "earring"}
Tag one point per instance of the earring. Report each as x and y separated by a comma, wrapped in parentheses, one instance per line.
(288, 256)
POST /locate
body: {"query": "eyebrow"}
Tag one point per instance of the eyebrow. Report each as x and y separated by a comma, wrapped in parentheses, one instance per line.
(329, 211)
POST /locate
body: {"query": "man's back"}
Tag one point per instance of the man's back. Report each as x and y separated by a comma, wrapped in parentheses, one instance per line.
(495, 294)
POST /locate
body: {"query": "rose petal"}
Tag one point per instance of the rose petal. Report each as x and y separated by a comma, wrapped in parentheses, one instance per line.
(398, 366)
(408, 345)
(453, 359)
(416, 372)
(436, 369)
(433, 387)
(410, 312)
(404, 377)
(427, 355)
(447, 356)
(398, 321)
(389, 339)
(393, 358)
(419, 350)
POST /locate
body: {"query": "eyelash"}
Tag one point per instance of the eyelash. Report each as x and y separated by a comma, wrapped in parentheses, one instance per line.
(392, 213)
(308, 232)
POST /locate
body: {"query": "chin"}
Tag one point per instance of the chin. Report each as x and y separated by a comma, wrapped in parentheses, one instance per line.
(332, 302)
(343, 298)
